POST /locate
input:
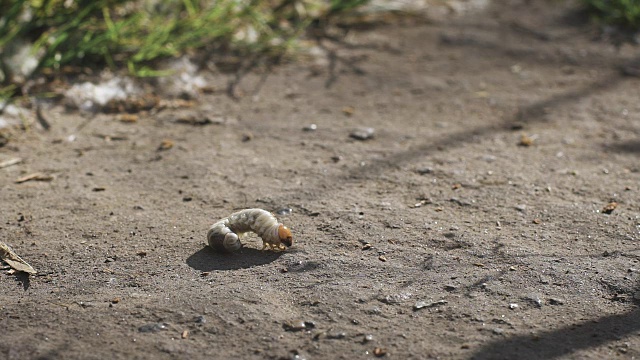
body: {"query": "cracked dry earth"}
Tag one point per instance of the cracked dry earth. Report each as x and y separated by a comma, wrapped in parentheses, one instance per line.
(471, 226)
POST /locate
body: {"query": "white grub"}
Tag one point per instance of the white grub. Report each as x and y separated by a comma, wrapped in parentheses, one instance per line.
(225, 234)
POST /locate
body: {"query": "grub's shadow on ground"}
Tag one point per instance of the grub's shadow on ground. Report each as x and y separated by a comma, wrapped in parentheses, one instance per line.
(206, 259)
(564, 341)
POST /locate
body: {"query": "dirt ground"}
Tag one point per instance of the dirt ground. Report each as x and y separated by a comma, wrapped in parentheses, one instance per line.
(443, 236)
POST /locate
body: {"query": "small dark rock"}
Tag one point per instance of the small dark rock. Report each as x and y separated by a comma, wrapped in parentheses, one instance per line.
(533, 299)
(337, 336)
(200, 319)
(460, 202)
(555, 301)
(424, 170)
(298, 325)
(153, 327)
(521, 207)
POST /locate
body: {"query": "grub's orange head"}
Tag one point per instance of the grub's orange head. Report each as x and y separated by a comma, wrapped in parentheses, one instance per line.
(285, 235)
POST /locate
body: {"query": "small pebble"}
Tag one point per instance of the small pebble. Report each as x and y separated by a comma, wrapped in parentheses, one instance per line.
(555, 301)
(366, 246)
(424, 170)
(526, 140)
(337, 336)
(423, 304)
(395, 298)
(298, 325)
(284, 211)
(382, 258)
(419, 305)
(153, 327)
(247, 137)
(200, 319)
(310, 127)
(608, 209)
(489, 158)
(348, 110)
(380, 352)
(513, 306)
(362, 133)
(166, 144)
(367, 338)
(498, 331)
(533, 299)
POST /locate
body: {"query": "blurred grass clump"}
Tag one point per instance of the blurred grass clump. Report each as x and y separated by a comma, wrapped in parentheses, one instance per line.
(39, 36)
(623, 13)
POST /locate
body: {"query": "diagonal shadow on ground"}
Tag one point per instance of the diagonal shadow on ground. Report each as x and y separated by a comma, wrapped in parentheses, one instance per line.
(552, 343)
(564, 341)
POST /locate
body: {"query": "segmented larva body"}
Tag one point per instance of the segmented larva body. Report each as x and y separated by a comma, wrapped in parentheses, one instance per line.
(225, 234)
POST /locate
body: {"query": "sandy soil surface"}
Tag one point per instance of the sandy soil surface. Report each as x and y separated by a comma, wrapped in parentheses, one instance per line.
(447, 235)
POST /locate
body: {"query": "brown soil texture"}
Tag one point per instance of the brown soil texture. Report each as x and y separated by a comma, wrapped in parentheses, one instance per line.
(470, 226)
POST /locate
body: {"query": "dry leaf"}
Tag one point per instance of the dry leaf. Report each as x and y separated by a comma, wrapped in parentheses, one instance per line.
(166, 144)
(128, 118)
(348, 110)
(7, 255)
